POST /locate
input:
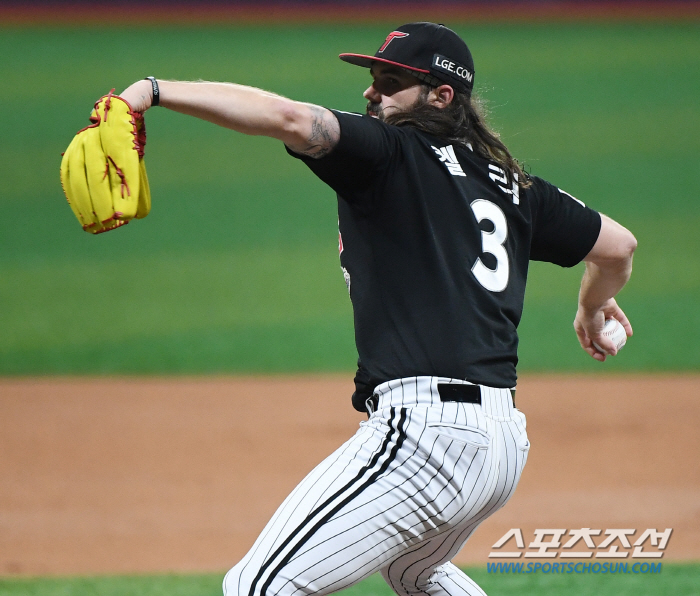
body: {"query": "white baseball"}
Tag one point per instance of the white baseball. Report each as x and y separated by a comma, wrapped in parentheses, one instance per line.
(616, 332)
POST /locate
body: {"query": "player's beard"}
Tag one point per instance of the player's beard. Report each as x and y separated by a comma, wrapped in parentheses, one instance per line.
(376, 110)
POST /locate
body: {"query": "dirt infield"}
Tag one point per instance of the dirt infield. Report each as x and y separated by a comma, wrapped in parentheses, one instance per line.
(157, 475)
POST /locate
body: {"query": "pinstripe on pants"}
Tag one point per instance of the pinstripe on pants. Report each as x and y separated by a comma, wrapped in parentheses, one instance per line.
(401, 497)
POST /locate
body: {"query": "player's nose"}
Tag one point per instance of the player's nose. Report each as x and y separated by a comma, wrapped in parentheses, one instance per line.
(372, 94)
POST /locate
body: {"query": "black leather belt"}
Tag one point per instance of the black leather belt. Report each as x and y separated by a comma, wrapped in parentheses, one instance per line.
(468, 394)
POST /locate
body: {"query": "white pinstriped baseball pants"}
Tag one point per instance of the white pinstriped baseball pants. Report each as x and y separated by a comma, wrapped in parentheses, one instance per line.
(401, 497)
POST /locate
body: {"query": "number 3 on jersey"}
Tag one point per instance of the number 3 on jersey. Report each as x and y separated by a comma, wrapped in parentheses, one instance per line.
(495, 280)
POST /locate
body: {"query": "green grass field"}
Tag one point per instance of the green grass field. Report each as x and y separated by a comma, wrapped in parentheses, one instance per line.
(678, 579)
(236, 268)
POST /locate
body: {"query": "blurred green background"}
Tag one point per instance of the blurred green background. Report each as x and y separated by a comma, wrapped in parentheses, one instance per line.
(236, 268)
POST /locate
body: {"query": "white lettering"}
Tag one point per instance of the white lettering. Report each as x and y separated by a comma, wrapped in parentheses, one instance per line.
(545, 548)
(612, 553)
(444, 64)
(512, 533)
(542, 545)
(495, 280)
(658, 539)
(449, 158)
(584, 533)
(498, 175)
(464, 73)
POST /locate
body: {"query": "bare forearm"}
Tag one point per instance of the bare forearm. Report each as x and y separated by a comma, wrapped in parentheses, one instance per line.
(608, 268)
(602, 282)
(244, 109)
(608, 265)
(305, 128)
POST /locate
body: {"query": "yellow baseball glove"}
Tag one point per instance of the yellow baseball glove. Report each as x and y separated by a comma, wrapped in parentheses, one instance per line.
(102, 172)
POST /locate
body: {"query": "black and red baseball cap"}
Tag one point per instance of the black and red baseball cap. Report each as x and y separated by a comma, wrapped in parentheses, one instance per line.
(430, 52)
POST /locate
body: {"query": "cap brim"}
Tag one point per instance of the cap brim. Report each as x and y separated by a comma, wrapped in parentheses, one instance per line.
(367, 61)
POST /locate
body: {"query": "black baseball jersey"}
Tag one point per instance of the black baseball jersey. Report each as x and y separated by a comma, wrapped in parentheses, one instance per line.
(434, 246)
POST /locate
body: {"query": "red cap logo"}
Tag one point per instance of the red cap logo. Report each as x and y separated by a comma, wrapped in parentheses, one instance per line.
(391, 36)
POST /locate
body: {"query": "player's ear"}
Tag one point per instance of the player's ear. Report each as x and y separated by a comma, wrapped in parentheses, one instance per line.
(441, 96)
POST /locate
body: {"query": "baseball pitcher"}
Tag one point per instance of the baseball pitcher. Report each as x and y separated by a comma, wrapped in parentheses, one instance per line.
(438, 223)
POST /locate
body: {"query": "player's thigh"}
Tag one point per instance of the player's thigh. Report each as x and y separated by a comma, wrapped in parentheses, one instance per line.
(317, 540)
(513, 448)
(424, 567)
(437, 473)
(404, 479)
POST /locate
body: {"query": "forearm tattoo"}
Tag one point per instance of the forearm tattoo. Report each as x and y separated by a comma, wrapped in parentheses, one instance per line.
(325, 133)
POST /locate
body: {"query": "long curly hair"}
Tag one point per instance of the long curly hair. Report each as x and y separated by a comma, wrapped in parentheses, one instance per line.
(462, 121)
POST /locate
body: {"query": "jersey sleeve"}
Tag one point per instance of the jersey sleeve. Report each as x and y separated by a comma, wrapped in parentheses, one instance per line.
(360, 157)
(564, 230)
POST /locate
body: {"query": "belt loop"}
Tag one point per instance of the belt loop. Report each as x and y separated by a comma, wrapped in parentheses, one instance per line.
(369, 406)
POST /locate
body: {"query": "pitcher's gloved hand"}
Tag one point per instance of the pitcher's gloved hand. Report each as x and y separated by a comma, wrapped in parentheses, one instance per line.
(102, 172)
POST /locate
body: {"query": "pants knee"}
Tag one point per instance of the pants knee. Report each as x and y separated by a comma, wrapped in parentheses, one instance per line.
(234, 584)
(405, 586)
(242, 579)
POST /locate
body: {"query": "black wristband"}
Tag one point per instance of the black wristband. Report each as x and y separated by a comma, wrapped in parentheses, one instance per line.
(156, 91)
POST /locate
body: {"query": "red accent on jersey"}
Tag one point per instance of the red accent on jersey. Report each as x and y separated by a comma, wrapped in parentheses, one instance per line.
(340, 243)
(391, 36)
